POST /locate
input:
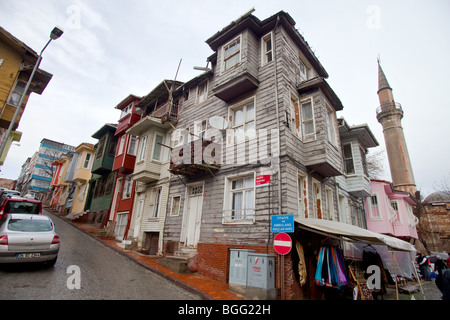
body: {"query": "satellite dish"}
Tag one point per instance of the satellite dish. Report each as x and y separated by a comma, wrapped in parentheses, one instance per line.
(218, 122)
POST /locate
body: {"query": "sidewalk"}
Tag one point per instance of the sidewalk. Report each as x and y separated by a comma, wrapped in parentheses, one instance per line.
(205, 287)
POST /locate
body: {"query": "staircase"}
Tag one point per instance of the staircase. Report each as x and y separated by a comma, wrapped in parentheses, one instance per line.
(184, 260)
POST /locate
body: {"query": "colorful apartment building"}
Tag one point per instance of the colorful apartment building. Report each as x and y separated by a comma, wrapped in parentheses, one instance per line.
(17, 61)
(124, 162)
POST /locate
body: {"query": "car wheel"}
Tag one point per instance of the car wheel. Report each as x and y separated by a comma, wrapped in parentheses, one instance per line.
(50, 263)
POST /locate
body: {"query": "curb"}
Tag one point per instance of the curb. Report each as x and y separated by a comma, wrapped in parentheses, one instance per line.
(181, 284)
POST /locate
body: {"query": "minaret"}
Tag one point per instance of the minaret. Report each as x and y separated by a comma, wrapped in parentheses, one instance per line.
(389, 114)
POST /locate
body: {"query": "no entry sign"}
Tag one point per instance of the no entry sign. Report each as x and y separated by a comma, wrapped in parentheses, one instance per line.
(282, 243)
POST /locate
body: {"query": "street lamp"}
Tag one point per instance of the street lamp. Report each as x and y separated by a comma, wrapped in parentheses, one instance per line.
(55, 34)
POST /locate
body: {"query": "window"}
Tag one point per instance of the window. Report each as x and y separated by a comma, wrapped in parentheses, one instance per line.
(395, 215)
(240, 199)
(202, 92)
(374, 212)
(175, 206)
(155, 202)
(128, 187)
(331, 124)
(1, 62)
(200, 129)
(364, 162)
(122, 220)
(329, 198)
(302, 187)
(101, 146)
(303, 71)
(121, 145)
(232, 53)
(133, 146)
(295, 115)
(317, 199)
(142, 147)
(243, 122)
(309, 131)
(348, 158)
(267, 51)
(16, 94)
(87, 161)
(127, 110)
(157, 147)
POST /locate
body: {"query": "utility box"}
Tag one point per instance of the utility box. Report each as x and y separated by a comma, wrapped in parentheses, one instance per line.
(261, 270)
(238, 266)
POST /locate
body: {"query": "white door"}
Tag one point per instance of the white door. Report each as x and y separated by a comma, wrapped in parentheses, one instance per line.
(194, 211)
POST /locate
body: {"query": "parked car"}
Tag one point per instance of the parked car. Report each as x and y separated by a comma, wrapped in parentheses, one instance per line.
(7, 192)
(11, 204)
(28, 238)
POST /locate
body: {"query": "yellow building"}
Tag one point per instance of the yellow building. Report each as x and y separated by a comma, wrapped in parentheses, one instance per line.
(17, 61)
(82, 175)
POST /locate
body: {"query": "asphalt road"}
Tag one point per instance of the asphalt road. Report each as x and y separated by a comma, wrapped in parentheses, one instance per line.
(86, 269)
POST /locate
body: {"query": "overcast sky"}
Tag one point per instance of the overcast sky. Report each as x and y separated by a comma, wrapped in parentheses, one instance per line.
(111, 48)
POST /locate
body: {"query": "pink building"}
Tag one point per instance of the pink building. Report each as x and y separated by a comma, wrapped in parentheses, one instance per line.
(390, 211)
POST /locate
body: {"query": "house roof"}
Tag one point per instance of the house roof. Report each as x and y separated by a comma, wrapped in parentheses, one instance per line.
(260, 28)
(125, 102)
(362, 132)
(159, 94)
(103, 130)
(41, 77)
(321, 83)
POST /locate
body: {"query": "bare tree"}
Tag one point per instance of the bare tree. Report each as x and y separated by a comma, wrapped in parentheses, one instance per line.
(375, 163)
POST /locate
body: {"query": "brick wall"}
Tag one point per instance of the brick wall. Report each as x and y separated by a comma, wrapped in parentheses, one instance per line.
(213, 261)
(434, 227)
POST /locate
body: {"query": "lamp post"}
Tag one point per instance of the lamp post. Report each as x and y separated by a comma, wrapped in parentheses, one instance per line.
(55, 34)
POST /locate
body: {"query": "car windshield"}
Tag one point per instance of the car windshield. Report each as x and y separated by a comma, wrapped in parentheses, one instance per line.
(22, 207)
(30, 225)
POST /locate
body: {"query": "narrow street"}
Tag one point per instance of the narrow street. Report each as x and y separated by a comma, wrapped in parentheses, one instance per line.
(104, 274)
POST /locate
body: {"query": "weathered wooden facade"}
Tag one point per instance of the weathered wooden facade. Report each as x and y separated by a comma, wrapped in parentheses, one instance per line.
(151, 172)
(265, 100)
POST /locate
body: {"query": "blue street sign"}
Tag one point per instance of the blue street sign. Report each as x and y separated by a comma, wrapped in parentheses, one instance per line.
(282, 223)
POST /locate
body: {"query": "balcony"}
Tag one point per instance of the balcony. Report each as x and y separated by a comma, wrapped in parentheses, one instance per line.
(124, 163)
(197, 157)
(323, 158)
(389, 109)
(147, 171)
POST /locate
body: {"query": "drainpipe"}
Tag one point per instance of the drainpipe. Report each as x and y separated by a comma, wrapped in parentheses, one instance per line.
(277, 115)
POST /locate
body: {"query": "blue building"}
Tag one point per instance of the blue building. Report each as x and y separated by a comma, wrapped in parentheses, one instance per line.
(37, 171)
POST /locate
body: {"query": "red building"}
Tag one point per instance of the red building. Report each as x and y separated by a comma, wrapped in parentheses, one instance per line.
(125, 158)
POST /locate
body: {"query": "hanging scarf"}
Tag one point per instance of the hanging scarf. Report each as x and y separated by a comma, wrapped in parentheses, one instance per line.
(318, 277)
(301, 264)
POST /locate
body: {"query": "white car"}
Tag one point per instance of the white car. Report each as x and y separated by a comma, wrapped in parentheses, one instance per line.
(28, 238)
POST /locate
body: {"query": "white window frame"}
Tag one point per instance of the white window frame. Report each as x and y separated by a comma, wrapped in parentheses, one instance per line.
(121, 147)
(329, 202)
(302, 187)
(395, 207)
(17, 94)
(297, 131)
(89, 161)
(132, 146)
(175, 213)
(331, 124)
(142, 147)
(155, 203)
(245, 217)
(238, 52)
(303, 70)
(346, 158)
(231, 139)
(372, 206)
(121, 224)
(127, 187)
(310, 136)
(316, 196)
(202, 96)
(265, 54)
(157, 134)
(200, 129)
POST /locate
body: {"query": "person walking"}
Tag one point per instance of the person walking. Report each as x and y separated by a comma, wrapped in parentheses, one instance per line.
(423, 266)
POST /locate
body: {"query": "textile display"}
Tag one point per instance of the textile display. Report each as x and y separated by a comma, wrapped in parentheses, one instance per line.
(301, 264)
(331, 270)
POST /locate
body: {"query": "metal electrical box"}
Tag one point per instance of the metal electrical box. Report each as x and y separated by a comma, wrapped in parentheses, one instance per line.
(261, 270)
(238, 266)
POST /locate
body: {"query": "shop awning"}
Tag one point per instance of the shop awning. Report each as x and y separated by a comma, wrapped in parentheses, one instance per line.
(348, 232)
